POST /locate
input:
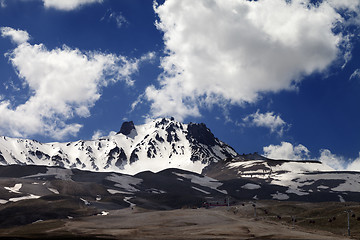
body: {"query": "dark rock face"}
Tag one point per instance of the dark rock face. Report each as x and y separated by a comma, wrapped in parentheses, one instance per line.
(201, 134)
(171, 133)
(119, 155)
(134, 157)
(2, 159)
(126, 128)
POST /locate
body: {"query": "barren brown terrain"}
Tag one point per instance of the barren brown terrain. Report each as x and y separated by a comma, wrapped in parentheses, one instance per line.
(272, 221)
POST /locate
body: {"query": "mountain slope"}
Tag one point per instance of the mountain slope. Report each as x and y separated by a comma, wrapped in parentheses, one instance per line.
(300, 180)
(157, 145)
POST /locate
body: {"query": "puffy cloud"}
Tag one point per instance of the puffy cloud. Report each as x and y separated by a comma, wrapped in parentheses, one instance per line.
(230, 52)
(267, 120)
(67, 5)
(63, 83)
(354, 165)
(97, 134)
(336, 162)
(286, 151)
(339, 162)
(16, 36)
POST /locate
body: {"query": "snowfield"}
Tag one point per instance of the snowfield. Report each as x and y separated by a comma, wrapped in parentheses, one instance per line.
(154, 146)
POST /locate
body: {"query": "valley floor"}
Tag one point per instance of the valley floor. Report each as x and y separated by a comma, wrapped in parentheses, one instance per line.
(273, 221)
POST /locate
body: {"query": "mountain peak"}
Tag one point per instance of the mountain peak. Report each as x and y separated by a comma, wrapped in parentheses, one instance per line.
(127, 127)
(155, 146)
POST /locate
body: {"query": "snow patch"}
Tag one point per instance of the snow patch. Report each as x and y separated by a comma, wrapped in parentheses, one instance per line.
(58, 173)
(200, 190)
(103, 213)
(251, 186)
(280, 196)
(203, 181)
(14, 189)
(156, 191)
(40, 220)
(113, 191)
(125, 182)
(297, 192)
(31, 196)
(53, 190)
(341, 199)
(86, 202)
(127, 200)
(2, 201)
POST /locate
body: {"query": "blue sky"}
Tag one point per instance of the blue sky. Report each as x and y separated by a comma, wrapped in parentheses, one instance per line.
(277, 77)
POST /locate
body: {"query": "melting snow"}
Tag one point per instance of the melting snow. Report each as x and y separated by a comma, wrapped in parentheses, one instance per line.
(53, 190)
(200, 190)
(103, 213)
(14, 189)
(203, 181)
(280, 196)
(31, 196)
(126, 199)
(2, 201)
(125, 182)
(251, 186)
(86, 202)
(297, 192)
(113, 191)
(59, 173)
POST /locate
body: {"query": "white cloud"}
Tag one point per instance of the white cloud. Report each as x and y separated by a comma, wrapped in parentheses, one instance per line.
(3, 4)
(332, 160)
(354, 165)
(97, 134)
(230, 52)
(267, 120)
(355, 74)
(16, 36)
(116, 17)
(68, 5)
(339, 162)
(286, 151)
(63, 83)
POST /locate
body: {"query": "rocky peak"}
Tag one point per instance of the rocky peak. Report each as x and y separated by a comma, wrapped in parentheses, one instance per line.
(127, 127)
(201, 134)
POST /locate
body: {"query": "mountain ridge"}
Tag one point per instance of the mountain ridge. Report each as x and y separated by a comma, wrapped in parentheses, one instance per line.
(156, 145)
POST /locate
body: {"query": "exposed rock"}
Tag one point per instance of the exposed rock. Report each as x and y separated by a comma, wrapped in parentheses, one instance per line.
(127, 127)
(201, 134)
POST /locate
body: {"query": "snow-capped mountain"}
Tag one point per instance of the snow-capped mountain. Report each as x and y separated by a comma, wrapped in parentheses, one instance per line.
(157, 145)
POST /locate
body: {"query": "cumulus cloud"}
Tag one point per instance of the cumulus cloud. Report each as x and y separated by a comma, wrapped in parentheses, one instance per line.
(354, 165)
(286, 151)
(97, 134)
(332, 160)
(267, 120)
(339, 162)
(67, 5)
(63, 83)
(230, 52)
(16, 36)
